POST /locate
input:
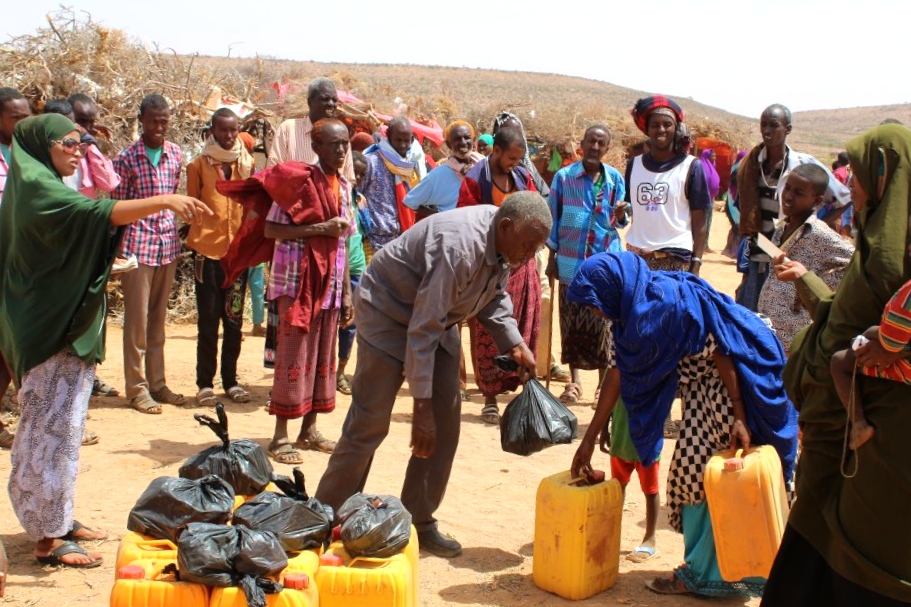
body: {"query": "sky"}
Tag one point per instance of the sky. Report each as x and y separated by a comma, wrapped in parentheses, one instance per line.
(738, 55)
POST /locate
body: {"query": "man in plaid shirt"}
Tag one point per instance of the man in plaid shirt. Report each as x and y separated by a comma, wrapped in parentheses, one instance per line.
(149, 167)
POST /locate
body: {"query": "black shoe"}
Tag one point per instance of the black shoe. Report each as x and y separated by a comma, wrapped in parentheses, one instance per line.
(438, 544)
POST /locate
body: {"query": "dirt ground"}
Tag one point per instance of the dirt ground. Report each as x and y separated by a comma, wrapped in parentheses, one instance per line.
(489, 508)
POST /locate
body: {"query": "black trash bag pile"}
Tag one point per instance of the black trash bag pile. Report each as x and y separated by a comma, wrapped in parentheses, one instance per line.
(242, 462)
(219, 555)
(535, 420)
(299, 521)
(169, 504)
(374, 525)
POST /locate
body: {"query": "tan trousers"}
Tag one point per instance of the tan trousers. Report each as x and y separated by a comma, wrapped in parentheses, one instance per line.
(145, 305)
(544, 336)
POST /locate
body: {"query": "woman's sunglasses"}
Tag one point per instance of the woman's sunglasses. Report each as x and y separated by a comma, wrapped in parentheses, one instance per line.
(70, 145)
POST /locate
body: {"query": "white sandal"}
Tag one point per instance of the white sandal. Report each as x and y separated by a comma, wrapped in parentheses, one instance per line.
(238, 394)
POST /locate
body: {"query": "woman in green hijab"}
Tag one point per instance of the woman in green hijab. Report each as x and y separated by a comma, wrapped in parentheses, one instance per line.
(56, 249)
(848, 535)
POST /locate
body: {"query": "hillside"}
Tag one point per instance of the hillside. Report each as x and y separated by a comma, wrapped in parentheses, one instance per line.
(549, 101)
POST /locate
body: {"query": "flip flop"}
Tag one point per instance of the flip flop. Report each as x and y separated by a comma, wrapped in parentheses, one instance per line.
(317, 442)
(343, 384)
(558, 373)
(77, 527)
(100, 388)
(286, 453)
(671, 585)
(490, 414)
(146, 404)
(6, 439)
(55, 558)
(571, 393)
(238, 394)
(166, 395)
(640, 554)
(89, 438)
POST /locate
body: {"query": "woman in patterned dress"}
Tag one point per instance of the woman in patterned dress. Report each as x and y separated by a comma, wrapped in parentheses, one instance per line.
(674, 334)
(56, 250)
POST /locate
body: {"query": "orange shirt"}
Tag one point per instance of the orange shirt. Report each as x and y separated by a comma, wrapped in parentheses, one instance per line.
(212, 235)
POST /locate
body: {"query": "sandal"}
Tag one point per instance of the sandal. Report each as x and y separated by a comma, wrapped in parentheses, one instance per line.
(670, 428)
(571, 393)
(285, 453)
(87, 535)
(343, 384)
(238, 394)
(558, 373)
(6, 439)
(100, 388)
(640, 554)
(206, 398)
(490, 414)
(55, 558)
(465, 394)
(89, 438)
(672, 585)
(165, 395)
(317, 442)
(146, 404)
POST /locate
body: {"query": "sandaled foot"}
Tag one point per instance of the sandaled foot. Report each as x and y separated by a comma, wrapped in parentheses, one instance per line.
(81, 533)
(100, 388)
(258, 331)
(69, 554)
(146, 404)
(490, 414)
(238, 395)
(315, 442)
(670, 428)
(671, 585)
(464, 394)
(166, 395)
(643, 553)
(571, 394)
(206, 397)
(285, 453)
(89, 438)
(343, 384)
(558, 373)
(6, 439)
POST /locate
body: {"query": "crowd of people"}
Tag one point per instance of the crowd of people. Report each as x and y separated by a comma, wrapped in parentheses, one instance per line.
(365, 240)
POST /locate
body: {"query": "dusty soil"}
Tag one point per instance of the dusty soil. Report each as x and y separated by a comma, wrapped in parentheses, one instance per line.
(489, 507)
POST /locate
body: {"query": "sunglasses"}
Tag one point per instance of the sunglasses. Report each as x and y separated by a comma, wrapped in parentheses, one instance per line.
(70, 145)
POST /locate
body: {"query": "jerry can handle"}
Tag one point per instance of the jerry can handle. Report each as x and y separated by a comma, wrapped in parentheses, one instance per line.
(367, 559)
(160, 543)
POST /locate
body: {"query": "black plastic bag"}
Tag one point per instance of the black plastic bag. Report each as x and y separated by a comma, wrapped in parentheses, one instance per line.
(242, 462)
(219, 555)
(534, 420)
(374, 525)
(169, 504)
(299, 521)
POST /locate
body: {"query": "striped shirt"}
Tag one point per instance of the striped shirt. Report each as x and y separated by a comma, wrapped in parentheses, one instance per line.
(584, 222)
(293, 142)
(153, 239)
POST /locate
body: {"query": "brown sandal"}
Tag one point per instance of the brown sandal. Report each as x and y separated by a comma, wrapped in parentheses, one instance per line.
(317, 442)
(165, 395)
(286, 453)
(571, 393)
(146, 404)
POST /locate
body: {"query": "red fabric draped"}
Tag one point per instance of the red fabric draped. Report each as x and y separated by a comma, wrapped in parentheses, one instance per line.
(302, 191)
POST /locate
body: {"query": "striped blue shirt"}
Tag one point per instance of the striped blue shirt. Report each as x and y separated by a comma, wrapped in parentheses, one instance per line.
(583, 225)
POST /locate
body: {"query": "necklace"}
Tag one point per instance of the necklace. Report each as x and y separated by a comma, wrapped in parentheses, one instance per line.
(784, 163)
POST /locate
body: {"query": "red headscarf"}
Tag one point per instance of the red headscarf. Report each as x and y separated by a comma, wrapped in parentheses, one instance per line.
(647, 105)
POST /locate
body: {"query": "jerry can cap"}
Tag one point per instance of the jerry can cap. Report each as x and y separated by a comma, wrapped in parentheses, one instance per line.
(736, 462)
(131, 572)
(330, 559)
(336, 533)
(297, 581)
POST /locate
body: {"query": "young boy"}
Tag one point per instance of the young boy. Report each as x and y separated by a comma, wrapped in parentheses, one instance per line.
(880, 352)
(357, 263)
(805, 239)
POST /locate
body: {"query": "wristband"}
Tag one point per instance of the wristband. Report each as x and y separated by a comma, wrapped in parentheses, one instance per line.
(696, 260)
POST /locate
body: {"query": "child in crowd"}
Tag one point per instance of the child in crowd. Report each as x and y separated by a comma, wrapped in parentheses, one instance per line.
(880, 352)
(357, 263)
(805, 239)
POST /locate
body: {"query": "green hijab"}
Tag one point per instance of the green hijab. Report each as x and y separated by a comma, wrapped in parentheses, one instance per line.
(860, 525)
(56, 248)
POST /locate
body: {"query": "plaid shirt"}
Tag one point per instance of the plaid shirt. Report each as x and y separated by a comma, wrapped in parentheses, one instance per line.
(154, 239)
(285, 276)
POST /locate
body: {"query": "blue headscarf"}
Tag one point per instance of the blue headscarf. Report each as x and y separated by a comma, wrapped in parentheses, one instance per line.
(659, 318)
